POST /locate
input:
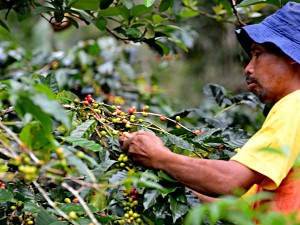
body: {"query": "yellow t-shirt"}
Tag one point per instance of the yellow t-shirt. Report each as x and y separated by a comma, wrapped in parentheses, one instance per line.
(280, 133)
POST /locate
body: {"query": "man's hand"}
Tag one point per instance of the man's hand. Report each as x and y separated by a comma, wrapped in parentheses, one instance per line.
(144, 148)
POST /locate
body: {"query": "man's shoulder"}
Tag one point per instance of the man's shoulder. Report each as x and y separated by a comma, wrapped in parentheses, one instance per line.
(290, 99)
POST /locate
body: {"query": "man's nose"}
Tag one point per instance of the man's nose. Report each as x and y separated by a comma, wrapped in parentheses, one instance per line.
(248, 70)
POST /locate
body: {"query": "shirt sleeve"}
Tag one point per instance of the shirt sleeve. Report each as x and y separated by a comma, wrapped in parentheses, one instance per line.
(273, 150)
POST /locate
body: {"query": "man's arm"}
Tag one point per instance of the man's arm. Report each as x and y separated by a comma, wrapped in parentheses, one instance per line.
(209, 177)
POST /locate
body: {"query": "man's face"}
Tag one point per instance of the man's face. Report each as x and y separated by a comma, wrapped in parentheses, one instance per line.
(268, 75)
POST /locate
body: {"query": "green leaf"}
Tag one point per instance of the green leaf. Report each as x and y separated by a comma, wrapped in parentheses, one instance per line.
(6, 196)
(162, 48)
(51, 107)
(44, 218)
(124, 12)
(35, 137)
(188, 13)
(195, 216)
(104, 4)
(25, 106)
(83, 142)
(100, 23)
(81, 167)
(72, 21)
(45, 89)
(253, 2)
(150, 32)
(85, 5)
(65, 97)
(111, 11)
(2, 24)
(164, 176)
(178, 43)
(178, 209)
(68, 207)
(180, 143)
(150, 198)
(165, 5)
(133, 32)
(128, 3)
(148, 3)
(140, 10)
(30, 207)
(157, 18)
(99, 199)
(85, 129)
(44, 9)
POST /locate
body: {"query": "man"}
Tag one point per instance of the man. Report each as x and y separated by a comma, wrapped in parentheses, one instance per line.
(273, 74)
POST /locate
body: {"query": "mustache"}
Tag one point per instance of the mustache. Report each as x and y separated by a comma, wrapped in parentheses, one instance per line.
(250, 79)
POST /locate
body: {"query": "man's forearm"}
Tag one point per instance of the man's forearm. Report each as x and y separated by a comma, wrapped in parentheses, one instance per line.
(210, 177)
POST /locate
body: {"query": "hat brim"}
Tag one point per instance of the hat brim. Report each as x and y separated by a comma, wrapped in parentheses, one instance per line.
(260, 33)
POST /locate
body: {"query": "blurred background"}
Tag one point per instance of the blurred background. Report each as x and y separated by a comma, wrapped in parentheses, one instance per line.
(213, 56)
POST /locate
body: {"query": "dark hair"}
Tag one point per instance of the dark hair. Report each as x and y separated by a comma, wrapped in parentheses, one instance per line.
(271, 47)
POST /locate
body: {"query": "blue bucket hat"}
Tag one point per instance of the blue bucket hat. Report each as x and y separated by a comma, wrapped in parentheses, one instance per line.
(282, 28)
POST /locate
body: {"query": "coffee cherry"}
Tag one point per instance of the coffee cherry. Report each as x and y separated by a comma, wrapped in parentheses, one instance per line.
(162, 118)
(125, 158)
(145, 108)
(72, 215)
(177, 118)
(59, 151)
(131, 110)
(80, 155)
(76, 100)
(67, 200)
(198, 132)
(178, 126)
(145, 114)
(103, 133)
(75, 200)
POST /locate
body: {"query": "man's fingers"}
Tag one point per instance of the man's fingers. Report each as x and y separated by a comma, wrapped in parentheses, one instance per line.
(125, 140)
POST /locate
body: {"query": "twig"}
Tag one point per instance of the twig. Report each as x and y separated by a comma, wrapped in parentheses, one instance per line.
(9, 154)
(6, 111)
(51, 203)
(233, 6)
(15, 137)
(82, 202)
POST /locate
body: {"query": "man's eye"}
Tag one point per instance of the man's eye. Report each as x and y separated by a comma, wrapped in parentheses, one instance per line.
(255, 53)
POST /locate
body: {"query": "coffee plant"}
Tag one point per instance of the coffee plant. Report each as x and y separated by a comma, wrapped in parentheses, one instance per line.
(61, 117)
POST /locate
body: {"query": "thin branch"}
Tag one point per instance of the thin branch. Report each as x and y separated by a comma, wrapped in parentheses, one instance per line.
(51, 203)
(82, 202)
(16, 138)
(9, 154)
(6, 111)
(233, 6)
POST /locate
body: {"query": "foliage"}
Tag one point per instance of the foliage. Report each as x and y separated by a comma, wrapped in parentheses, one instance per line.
(62, 114)
(60, 156)
(152, 22)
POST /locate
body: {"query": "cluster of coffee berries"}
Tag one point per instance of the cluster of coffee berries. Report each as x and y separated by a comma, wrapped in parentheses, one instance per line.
(123, 160)
(130, 206)
(2, 185)
(88, 99)
(29, 171)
